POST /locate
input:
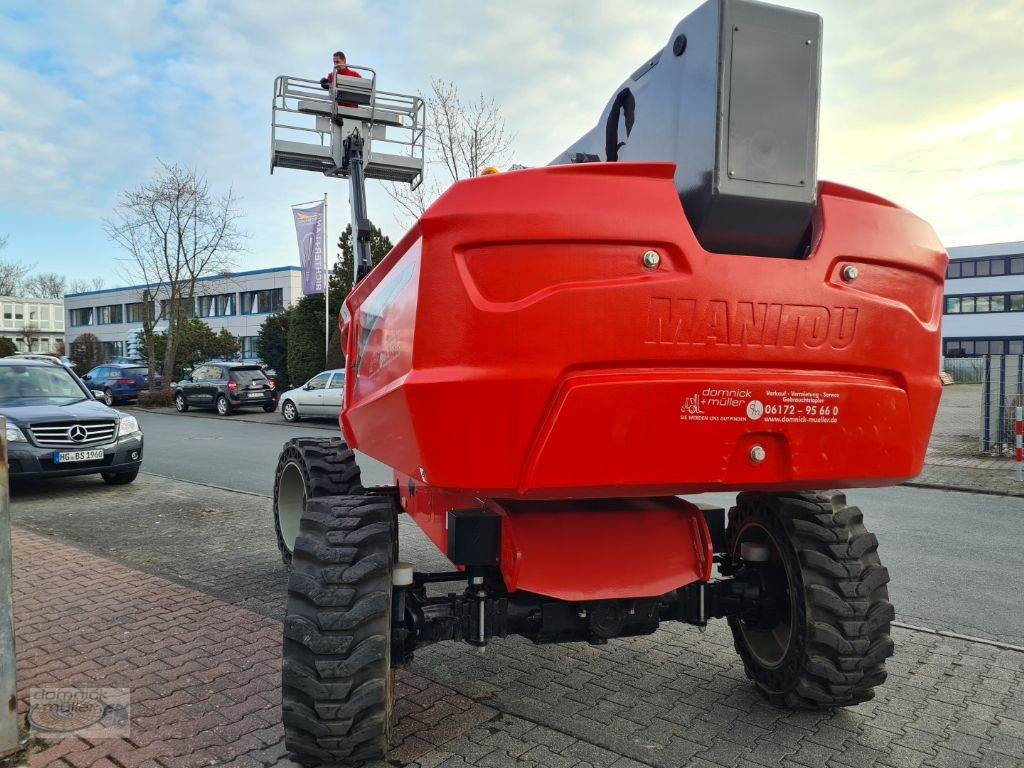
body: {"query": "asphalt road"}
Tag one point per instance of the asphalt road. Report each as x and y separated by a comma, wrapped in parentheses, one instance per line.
(956, 559)
(227, 451)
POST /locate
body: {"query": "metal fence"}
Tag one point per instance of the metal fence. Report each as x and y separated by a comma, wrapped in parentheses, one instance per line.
(965, 370)
(1002, 393)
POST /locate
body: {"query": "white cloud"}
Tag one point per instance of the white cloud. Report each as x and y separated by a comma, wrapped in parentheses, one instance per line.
(922, 100)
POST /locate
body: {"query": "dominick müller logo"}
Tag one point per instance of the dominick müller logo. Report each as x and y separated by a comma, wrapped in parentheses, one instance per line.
(746, 323)
(91, 713)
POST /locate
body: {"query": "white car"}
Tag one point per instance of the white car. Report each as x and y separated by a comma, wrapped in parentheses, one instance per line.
(323, 395)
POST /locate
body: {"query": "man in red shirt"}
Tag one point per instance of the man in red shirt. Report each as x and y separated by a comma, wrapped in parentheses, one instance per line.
(341, 69)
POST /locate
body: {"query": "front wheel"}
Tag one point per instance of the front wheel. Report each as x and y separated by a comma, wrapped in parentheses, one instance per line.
(309, 468)
(180, 403)
(108, 397)
(223, 406)
(826, 644)
(336, 679)
(289, 411)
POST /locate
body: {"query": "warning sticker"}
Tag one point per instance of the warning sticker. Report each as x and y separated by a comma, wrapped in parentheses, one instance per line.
(766, 405)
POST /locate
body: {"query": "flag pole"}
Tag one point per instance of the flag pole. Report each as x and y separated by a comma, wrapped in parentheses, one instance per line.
(327, 292)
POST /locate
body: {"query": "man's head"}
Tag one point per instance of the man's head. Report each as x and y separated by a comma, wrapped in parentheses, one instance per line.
(340, 62)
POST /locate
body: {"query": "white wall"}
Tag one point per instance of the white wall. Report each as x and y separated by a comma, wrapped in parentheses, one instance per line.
(288, 279)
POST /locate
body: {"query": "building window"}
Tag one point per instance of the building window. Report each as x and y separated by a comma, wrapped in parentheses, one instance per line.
(983, 346)
(262, 302)
(136, 311)
(990, 266)
(112, 349)
(187, 307)
(221, 305)
(248, 347)
(998, 302)
(80, 317)
(109, 314)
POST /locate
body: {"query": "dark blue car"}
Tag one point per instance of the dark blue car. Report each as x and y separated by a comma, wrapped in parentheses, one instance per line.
(118, 382)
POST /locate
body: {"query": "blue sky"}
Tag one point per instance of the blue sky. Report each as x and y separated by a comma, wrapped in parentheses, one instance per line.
(923, 101)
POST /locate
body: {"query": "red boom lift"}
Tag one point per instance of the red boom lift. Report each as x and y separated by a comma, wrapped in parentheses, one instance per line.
(551, 356)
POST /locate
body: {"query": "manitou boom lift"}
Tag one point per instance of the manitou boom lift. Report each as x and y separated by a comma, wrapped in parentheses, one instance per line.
(551, 356)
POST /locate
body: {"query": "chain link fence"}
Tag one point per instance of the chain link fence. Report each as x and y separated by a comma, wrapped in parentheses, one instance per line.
(965, 370)
(1002, 386)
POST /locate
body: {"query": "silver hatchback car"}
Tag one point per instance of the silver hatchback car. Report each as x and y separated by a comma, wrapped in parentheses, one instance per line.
(323, 395)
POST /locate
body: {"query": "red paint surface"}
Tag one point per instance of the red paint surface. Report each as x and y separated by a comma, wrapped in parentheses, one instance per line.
(533, 357)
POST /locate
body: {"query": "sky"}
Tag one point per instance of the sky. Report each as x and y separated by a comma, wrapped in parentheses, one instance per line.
(922, 102)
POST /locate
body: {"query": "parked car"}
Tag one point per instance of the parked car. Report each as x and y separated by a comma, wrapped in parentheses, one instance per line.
(119, 382)
(323, 395)
(55, 427)
(226, 387)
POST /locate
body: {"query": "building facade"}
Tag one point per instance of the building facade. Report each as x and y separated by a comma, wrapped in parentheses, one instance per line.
(239, 302)
(984, 311)
(34, 325)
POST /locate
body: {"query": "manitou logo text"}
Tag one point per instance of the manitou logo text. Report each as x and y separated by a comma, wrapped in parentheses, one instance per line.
(746, 323)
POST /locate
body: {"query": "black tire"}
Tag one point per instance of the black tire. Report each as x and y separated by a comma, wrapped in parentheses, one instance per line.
(180, 403)
(837, 638)
(108, 397)
(223, 406)
(269, 407)
(325, 466)
(121, 478)
(336, 678)
(290, 411)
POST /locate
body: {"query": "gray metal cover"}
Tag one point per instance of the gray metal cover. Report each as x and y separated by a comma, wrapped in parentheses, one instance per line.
(743, 97)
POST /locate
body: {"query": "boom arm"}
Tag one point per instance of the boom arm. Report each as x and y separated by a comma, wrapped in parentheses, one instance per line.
(732, 100)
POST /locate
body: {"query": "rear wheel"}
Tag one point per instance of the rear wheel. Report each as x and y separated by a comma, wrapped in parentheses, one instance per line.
(826, 647)
(269, 407)
(223, 406)
(309, 468)
(337, 684)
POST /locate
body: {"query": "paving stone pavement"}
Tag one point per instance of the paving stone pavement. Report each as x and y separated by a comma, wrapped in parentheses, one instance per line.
(204, 676)
(954, 459)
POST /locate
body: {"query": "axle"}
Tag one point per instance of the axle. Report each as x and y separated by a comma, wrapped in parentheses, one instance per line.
(755, 592)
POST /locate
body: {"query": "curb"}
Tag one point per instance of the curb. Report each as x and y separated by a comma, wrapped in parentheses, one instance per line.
(964, 489)
(238, 417)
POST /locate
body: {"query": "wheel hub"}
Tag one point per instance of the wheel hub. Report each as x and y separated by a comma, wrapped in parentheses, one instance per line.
(769, 630)
(291, 501)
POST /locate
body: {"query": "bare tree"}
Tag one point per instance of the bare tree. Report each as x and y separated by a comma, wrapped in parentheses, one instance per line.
(80, 285)
(463, 138)
(12, 272)
(52, 285)
(46, 285)
(175, 230)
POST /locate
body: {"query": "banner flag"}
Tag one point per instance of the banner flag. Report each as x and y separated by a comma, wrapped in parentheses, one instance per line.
(309, 231)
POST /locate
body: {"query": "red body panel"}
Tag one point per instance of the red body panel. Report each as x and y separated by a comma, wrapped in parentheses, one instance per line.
(575, 550)
(514, 346)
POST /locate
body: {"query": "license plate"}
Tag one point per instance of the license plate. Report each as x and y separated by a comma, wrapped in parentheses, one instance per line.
(255, 394)
(66, 457)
